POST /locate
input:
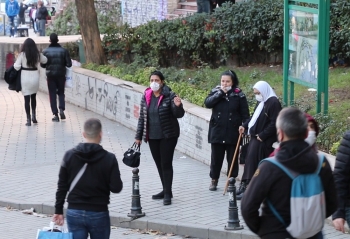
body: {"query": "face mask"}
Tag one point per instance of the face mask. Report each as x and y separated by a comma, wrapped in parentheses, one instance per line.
(259, 97)
(228, 88)
(154, 86)
(311, 138)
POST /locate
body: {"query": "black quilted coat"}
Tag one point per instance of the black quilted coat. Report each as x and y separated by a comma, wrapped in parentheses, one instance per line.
(168, 114)
(341, 175)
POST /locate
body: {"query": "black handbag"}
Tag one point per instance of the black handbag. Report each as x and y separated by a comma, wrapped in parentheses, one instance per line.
(244, 149)
(132, 156)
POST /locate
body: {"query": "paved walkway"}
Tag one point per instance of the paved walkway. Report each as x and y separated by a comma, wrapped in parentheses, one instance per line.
(30, 159)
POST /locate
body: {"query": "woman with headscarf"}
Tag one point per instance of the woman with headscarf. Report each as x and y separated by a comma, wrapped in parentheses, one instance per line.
(262, 130)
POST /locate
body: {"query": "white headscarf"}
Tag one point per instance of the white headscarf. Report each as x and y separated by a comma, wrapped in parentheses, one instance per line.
(267, 92)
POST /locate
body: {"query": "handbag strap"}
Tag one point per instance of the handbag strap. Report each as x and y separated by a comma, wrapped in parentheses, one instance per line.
(77, 177)
(136, 147)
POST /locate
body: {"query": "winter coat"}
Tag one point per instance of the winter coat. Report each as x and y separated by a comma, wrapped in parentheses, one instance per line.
(270, 182)
(57, 60)
(41, 13)
(168, 114)
(229, 111)
(101, 176)
(11, 8)
(341, 175)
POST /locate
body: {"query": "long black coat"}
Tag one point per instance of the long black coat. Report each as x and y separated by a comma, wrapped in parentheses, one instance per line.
(342, 176)
(229, 111)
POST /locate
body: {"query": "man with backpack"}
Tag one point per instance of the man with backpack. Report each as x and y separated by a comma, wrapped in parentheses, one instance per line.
(288, 211)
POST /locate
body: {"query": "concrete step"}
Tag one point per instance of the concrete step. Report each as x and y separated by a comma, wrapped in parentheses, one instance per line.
(172, 16)
(188, 5)
(184, 11)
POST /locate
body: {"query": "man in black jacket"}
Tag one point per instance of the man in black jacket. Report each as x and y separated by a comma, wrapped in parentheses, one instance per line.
(57, 60)
(342, 182)
(41, 15)
(88, 200)
(271, 182)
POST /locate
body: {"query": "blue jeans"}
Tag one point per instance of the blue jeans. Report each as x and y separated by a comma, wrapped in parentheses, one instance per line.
(13, 23)
(203, 6)
(81, 223)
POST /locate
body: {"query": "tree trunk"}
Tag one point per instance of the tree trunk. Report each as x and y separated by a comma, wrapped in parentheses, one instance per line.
(90, 33)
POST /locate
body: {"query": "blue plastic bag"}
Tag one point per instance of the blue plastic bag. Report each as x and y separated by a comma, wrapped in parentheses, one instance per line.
(54, 235)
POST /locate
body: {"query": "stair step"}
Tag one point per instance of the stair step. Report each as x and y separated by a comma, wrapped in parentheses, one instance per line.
(171, 16)
(188, 5)
(184, 11)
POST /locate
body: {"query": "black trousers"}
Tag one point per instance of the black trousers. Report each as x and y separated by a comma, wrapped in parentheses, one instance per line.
(56, 86)
(217, 159)
(162, 151)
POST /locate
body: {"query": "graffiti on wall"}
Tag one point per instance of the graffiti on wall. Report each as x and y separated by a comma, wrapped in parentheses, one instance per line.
(137, 12)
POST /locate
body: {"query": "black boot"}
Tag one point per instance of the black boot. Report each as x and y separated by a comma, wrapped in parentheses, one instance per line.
(34, 117)
(167, 198)
(244, 187)
(213, 184)
(55, 118)
(160, 195)
(62, 115)
(28, 121)
(240, 188)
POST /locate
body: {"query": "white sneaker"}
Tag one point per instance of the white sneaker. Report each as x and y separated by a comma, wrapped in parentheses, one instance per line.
(15, 36)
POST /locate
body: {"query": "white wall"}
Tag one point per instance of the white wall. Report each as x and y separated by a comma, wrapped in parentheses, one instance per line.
(119, 100)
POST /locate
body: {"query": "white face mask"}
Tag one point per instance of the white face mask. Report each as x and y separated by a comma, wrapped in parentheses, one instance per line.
(227, 88)
(154, 86)
(259, 97)
(311, 138)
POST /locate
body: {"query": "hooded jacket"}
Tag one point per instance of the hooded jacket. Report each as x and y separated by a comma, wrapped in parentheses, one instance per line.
(168, 114)
(57, 60)
(102, 176)
(342, 176)
(271, 182)
(12, 8)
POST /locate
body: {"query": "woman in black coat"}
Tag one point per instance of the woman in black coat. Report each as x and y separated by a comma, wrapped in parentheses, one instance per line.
(229, 110)
(341, 175)
(262, 130)
(158, 125)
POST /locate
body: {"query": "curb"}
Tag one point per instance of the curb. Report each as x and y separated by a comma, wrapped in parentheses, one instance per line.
(144, 223)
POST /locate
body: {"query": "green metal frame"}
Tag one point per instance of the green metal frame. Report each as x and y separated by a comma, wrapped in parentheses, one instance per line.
(322, 53)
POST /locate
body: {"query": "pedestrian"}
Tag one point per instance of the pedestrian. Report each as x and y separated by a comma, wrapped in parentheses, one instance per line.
(12, 9)
(88, 200)
(270, 185)
(342, 182)
(203, 6)
(57, 60)
(158, 125)
(41, 15)
(32, 16)
(229, 110)
(28, 60)
(21, 17)
(262, 130)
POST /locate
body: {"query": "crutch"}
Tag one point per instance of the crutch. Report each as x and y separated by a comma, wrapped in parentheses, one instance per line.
(233, 162)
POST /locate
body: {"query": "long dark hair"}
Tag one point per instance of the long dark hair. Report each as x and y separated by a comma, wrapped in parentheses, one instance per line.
(31, 51)
(233, 76)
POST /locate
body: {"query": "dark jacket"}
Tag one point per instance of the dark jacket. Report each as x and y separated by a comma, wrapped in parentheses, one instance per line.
(229, 111)
(271, 182)
(41, 13)
(22, 9)
(168, 114)
(101, 177)
(57, 60)
(341, 175)
(265, 125)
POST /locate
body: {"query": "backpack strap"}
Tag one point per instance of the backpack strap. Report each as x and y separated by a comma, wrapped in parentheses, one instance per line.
(321, 159)
(274, 161)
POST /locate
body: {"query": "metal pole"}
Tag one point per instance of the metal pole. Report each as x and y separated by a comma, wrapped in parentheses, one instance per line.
(233, 221)
(136, 209)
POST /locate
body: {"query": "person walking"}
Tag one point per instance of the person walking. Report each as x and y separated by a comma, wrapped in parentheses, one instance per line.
(203, 6)
(28, 60)
(262, 130)
(41, 15)
(32, 16)
(88, 200)
(12, 9)
(158, 125)
(270, 185)
(21, 18)
(229, 110)
(57, 60)
(341, 175)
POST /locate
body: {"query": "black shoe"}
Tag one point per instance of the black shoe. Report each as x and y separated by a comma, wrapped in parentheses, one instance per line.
(213, 184)
(62, 115)
(28, 121)
(56, 119)
(242, 189)
(167, 199)
(160, 195)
